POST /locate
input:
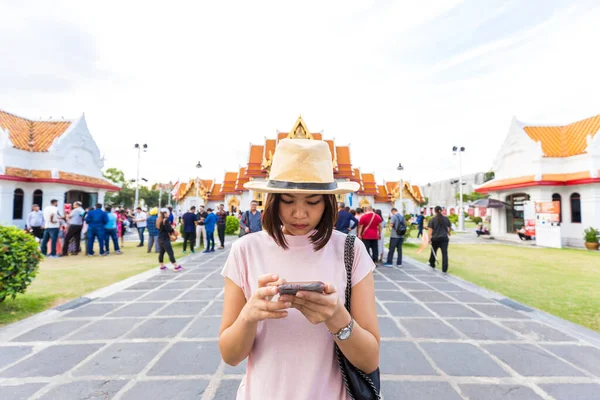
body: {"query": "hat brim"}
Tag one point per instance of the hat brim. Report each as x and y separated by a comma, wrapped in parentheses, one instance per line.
(262, 187)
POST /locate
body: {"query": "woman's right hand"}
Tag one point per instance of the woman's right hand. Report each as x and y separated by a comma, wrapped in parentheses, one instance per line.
(260, 307)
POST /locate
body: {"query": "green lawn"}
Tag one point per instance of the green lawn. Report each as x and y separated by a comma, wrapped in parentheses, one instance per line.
(563, 282)
(63, 279)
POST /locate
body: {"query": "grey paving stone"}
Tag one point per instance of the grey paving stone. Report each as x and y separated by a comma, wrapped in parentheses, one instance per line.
(120, 359)
(201, 294)
(402, 278)
(538, 332)
(52, 361)
(167, 389)
(403, 358)
(212, 283)
(148, 285)
(394, 390)
(160, 328)
(447, 287)
(469, 297)
(178, 285)
(162, 295)
(20, 392)
(227, 389)
(389, 328)
(380, 310)
(528, 360)
(105, 329)
(428, 328)
(498, 311)
(407, 310)
(585, 357)
(239, 369)
(431, 297)
(137, 310)
(570, 391)
(452, 310)
(431, 279)
(204, 327)
(49, 332)
(188, 358)
(121, 297)
(11, 354)
(92, 310)
(499, 392)
(100, 389)
(412, 286)
(379, 278)
(215, 308)
(184, 308)
(161, 277)
(385, 286)
(463, 359)
(482, 329)
(392, 295)
(191, 276)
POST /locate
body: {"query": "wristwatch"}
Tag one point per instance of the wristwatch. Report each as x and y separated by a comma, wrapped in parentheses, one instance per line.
(345, 332)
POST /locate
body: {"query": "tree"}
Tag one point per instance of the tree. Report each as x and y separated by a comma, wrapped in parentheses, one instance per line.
(424, 202)
(471, 197)
(115, 175)
(488, 176)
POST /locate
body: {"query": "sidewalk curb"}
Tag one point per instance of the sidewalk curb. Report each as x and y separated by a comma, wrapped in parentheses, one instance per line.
(17, 328)
(578, 331)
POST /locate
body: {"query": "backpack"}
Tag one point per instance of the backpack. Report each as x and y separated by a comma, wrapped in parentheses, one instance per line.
(401, 229)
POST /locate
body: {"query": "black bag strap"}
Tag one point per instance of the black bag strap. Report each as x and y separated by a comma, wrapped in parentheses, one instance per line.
(349, 262)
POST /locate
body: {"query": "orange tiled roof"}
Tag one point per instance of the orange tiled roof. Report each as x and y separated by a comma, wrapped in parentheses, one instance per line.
(270, 148)
(418, 194)
(317, 136)
(83, 179)
(369, 185)
(382, 195)
(35, 175)
(242, 178)
(343, 162)
(229, 182)
(564, 141)
(282, 135)
(391, 186)
(44, 132)
(255, 161)
(216, 194)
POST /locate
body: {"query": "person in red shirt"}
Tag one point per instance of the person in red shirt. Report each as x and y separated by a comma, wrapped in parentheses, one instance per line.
(369, 231)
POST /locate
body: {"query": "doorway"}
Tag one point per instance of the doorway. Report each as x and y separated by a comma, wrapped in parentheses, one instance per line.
(515, 211)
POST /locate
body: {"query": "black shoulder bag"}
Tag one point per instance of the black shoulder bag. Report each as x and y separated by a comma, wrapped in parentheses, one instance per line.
(360, 386)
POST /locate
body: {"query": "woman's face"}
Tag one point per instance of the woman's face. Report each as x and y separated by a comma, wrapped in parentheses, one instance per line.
(301, 213)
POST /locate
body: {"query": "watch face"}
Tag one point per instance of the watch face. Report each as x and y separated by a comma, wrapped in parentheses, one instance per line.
(344, 334)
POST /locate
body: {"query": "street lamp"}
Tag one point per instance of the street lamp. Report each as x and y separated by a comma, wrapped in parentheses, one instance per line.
(197, 180)
(461, 213)
(139, 148)
(401, 168)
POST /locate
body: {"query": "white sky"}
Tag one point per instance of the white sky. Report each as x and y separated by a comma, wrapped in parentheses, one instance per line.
(402, 81)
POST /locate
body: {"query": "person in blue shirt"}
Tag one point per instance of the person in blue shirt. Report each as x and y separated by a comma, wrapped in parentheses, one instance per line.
(110, 231)
(345, 221)
(420, 221)
(210, 222)
(96, 220)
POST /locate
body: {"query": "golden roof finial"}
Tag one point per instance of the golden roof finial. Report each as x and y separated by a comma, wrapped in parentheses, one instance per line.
(300, 131)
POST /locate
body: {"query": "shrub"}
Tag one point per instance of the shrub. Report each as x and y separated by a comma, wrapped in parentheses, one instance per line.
(590, 235)
(232, 225)
(453, 218)
(19, 261)
(477, 220)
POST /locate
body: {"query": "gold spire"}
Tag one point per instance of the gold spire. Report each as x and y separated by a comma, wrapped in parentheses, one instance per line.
(300, 131)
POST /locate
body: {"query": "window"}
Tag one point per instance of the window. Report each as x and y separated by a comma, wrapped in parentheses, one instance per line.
(575, 208)
(18, 204)
(515, 215)
(38, 197)
(556, 197)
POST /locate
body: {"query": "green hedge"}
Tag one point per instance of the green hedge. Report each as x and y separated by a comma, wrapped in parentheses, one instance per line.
(232, 225)
(19, 261)
(476, 220)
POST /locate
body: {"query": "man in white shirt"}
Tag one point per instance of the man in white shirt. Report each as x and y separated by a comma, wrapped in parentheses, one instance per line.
(75, 218)
(35, 222)
(140, 222)
(52, 224)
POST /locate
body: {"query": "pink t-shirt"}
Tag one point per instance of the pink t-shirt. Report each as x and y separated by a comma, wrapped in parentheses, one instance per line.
(292, 358)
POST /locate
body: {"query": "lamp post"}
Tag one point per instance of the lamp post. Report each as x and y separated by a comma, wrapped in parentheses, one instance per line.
(401, 168)
(461, 213)
(197, 180)
(139, 148)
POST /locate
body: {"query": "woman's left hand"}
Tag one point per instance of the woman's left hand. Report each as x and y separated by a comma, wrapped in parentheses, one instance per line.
(316, 307)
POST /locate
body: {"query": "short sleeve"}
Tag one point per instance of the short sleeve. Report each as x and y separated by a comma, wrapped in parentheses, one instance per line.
(236, 269)
(363, 264)
(430, 224)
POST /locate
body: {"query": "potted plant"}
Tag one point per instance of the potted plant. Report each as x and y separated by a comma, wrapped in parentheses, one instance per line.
(591, 239)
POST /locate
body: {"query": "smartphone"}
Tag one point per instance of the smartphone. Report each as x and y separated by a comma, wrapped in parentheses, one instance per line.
(295, 287)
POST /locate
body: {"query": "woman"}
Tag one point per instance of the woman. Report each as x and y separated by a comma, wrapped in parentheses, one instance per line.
(290, 340)
(439, 229)
(164, 240)
(381, 240)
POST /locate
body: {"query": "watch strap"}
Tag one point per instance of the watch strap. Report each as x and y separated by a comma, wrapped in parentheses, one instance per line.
(347, 327)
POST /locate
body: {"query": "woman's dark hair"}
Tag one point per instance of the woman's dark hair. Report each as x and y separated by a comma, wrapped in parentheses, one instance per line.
(272, 224)
(378, 212)
(438, 214)
(353, 212)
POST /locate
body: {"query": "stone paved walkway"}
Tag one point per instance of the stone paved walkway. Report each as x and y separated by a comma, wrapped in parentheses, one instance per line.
(157, 339)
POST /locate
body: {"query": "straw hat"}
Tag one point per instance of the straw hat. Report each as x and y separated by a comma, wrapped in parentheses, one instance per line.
(302, 166)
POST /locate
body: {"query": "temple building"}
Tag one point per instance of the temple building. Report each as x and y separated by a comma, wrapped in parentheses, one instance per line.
(45, 160)
(548, 163)
(232, 193)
